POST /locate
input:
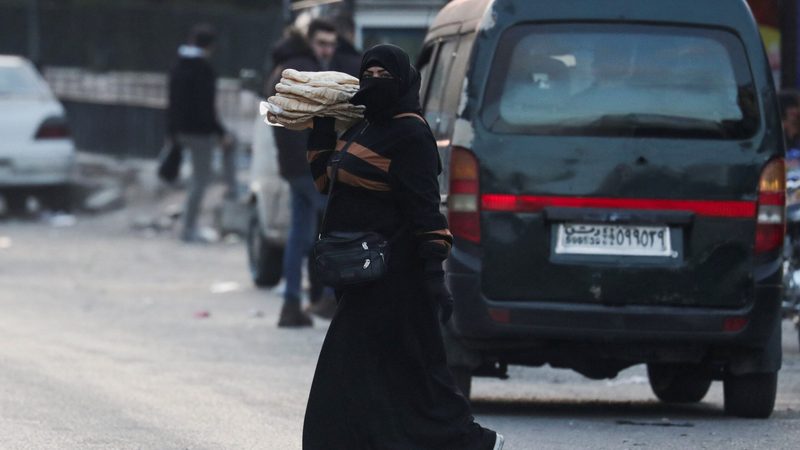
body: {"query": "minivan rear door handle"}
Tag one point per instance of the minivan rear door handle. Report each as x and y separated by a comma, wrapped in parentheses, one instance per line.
(599, 215)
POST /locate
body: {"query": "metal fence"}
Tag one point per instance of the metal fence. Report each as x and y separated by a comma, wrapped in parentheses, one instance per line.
(123, 113)
(134, 35)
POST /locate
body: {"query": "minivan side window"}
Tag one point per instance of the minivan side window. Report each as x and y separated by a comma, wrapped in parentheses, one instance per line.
(423, 65)
(437, 85)
(455, 81)
(621, 80)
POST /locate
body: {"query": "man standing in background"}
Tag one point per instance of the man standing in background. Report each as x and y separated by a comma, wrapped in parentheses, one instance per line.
(346, 59)
(790, 118)
(192, 120)
(314, 54)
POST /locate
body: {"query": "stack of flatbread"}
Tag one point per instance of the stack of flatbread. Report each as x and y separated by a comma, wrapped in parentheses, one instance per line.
(302, 95)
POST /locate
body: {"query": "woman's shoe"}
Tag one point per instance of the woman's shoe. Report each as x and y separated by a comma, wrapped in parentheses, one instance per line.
(292, 317)
(324, 307)
(498, 442)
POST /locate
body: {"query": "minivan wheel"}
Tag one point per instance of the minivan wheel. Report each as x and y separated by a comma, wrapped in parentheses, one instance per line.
(463, 379)
(679, 383)
(751, 395)
(265, 259)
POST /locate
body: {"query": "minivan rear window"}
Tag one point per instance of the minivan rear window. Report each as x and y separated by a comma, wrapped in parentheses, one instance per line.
(621, 80)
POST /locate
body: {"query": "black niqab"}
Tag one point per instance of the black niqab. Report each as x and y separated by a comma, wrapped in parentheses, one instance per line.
(396, 62)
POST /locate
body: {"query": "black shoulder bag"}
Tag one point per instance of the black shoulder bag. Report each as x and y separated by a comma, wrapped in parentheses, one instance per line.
(344, 259)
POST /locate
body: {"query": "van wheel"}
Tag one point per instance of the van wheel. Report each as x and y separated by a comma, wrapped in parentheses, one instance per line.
(463, 379)
(265, 259)
(751, 395)
(679, 383)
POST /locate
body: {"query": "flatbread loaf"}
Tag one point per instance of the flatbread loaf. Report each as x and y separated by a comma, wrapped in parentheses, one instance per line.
(320, 77)
(300, 96)
(324, 95)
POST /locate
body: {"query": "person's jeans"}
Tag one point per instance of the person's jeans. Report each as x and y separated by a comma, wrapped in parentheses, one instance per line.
(201, 148)
(306, 204)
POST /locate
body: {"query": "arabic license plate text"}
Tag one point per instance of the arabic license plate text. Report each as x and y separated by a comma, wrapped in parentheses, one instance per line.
(601, 239)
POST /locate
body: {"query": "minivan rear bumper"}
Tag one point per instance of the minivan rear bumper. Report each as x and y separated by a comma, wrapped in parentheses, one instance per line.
(478, 319)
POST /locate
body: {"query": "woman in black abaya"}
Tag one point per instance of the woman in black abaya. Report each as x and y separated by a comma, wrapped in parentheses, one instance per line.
(382, 380)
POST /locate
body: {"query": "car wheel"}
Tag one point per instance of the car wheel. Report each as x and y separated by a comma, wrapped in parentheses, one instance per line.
(751, 395)
(16, 202)
(265, 259)
(463, 379)
(679, 383)
(58, 198)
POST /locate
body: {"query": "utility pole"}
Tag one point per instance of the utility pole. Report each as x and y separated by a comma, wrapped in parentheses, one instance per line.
(34, 48)
(788, 12)
(349, 7)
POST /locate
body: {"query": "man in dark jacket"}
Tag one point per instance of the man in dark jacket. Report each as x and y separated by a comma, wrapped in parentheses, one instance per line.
(192, 119)
(313, 54)
(346, 59)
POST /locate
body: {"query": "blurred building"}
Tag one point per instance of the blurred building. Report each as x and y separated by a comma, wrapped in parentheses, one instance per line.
(400, 22)
(107, 59)
(779, 21)
(134, 35)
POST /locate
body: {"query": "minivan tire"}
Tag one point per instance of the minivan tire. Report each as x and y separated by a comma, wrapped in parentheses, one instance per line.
(751, 395)
(462, 376)
(679, 383)
(265, 259)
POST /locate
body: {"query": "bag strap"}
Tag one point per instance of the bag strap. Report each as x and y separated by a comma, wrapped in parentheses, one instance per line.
(338, 156)
(410, 114)
(338, 159)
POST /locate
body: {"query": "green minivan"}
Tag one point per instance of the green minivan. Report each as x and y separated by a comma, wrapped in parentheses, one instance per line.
(615, 185)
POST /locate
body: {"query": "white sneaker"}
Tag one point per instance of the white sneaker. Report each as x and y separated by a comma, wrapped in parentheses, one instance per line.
(498, 442)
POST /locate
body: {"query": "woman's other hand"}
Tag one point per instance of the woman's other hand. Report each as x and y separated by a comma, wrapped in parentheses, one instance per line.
(439, 293)
(324, 124)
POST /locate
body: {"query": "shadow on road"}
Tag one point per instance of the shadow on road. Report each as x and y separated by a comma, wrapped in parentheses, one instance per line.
(650, 411)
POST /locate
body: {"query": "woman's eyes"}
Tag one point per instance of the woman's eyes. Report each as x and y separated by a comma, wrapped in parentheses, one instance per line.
(370, 75)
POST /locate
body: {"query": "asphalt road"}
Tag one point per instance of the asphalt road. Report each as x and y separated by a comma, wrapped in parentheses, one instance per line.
(105, 344)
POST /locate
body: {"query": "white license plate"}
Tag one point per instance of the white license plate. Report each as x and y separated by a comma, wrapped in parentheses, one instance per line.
(601, 239)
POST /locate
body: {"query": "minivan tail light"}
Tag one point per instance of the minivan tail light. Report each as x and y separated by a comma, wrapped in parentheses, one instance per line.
(463, 205)
(771, 217)
(54, 127)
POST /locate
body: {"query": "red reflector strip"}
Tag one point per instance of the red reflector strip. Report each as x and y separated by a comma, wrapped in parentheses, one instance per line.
(500, 315)
(734, 324)
(769, 237)
(533, 203)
